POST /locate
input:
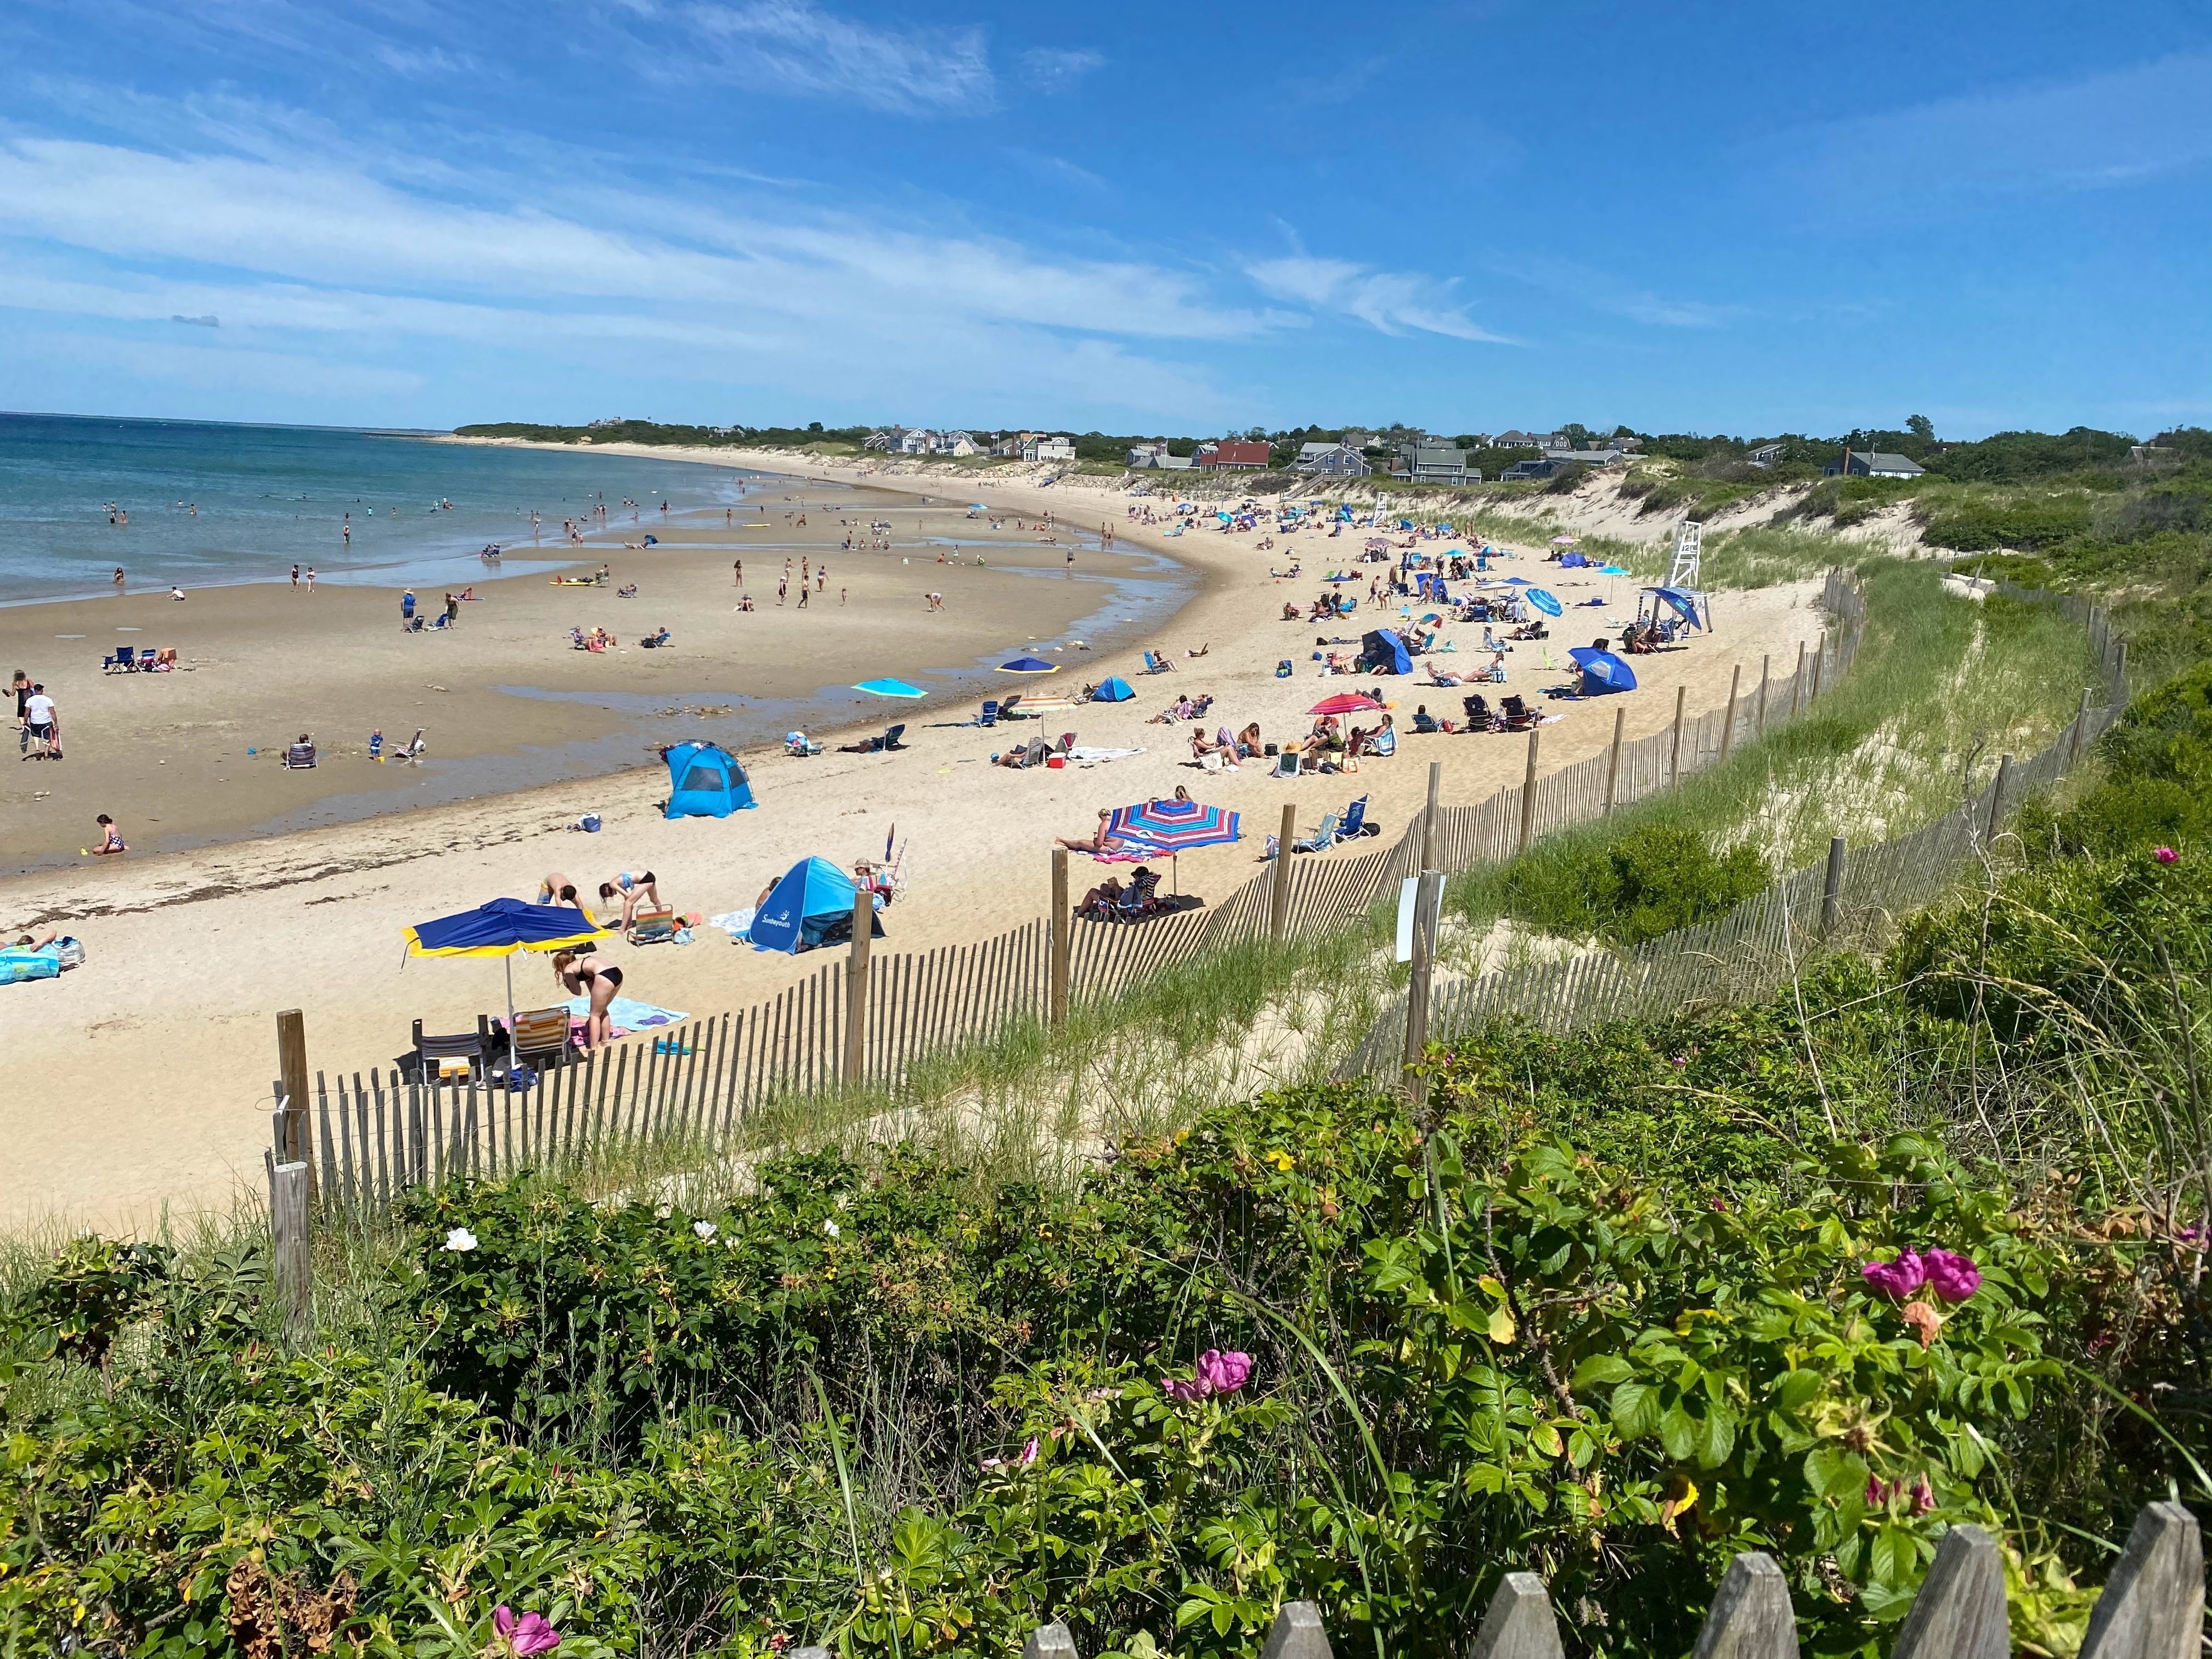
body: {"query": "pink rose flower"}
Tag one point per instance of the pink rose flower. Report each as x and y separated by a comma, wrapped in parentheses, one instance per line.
(1899, 1278)
(527, 1635)
(1222, 1373)
(2166, 856)
(1923, 1496)
(1182, 1392)
(1954, 1276)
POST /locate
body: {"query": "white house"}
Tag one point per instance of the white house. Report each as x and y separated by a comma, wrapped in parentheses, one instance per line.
(1043, 448)
(957, 444)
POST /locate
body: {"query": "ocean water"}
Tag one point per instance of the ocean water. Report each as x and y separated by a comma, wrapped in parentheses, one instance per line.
(267, 496)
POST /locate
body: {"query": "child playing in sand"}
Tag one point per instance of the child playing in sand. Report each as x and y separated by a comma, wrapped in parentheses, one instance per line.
(111, 838)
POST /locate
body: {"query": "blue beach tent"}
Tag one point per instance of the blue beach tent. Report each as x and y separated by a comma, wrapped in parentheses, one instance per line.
(704, 782)
(1113, 689)
(1385, 652)
(1602, 672)
(813, 904)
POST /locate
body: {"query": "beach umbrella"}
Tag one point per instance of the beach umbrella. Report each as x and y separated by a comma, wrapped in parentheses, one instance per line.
(1611, 570)
(1544, 602)
(1518, 581)
(1565, 541)
(1032, 702)
(500, 929)
(1602, 669)
(1113, 689)
(889, 689)
(1029, 665)
(1345, 703)
(1172, 828)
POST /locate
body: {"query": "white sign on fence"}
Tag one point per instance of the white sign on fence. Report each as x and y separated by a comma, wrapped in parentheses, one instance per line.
(1409, 894)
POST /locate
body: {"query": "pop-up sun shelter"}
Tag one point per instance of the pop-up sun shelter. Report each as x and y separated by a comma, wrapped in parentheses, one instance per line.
(1384, 653)
(1113, 689)
(705, 782)
(811, 905)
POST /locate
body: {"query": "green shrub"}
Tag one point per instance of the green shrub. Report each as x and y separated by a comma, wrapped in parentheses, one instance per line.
(1636, 888)
(1977, 523)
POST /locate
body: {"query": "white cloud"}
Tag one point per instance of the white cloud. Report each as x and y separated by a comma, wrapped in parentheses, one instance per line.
(1394, 303)
(1054, 68)
(802, 49)
(424, 61)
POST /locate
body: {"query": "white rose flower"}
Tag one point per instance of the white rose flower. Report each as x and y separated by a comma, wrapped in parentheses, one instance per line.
(460, 1239)
(704, 1229)
(830, 1228)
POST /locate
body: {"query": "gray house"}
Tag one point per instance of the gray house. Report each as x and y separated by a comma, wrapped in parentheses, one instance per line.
(1431, 463)
(1873, 464)
(1331, 461)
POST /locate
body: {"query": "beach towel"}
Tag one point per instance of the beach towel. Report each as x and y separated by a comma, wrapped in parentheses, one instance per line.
(738, 924)
(16, 966)
(1083, 755)
(627, 1015)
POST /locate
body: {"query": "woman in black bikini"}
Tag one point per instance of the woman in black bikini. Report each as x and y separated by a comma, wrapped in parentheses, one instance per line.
(600, 982)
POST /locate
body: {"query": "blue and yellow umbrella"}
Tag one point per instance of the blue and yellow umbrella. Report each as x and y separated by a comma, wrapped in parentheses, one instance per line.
(500, 929)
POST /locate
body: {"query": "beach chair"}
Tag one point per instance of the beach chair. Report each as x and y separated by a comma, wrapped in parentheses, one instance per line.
(429, 1051)
(1155, 664)
(801, 746)
(299, 757)
(891, 738)
(1480, 716)
(653, 926)
(1140, 899)
(122, 656)
(1286, 763)
(1355, 822)
(1516, 713)
(1324, 837)
(990, 714)
(1385, 742)
(541, 1036)
(1038, 750)
(1066, 742)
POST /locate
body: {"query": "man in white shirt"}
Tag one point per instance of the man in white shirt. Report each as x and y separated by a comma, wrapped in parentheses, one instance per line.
(45, 725)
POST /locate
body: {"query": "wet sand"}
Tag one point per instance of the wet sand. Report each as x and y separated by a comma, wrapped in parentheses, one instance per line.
(504, 700)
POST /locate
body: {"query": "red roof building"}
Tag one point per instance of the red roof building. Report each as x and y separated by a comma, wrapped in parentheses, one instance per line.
(1234, 455)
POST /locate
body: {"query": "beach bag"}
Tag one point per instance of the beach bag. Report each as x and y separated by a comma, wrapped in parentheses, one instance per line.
(520, 1079)
(69, 951)
(1283, 669)
(589, 824)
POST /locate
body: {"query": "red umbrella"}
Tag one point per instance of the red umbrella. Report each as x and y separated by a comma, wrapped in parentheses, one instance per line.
(1345, 703)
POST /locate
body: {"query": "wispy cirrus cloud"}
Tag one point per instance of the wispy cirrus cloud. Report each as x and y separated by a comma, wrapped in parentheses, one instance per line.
(1054, 68)
(1392, 302)
(800, 48)
(1602, 291)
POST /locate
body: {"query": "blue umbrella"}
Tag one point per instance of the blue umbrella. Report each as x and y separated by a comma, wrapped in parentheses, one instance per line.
(500, 929)
(1544, 602)
(1611, 570)
(1029, 665)
(1602, 671)
(889, 689)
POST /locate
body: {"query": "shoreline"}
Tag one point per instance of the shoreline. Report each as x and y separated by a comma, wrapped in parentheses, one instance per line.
(190, 954)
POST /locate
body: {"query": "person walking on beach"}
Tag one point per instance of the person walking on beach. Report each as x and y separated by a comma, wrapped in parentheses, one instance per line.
(736, 573)
(346, 531)
(44, 723)
(781, 588)
(21, 687)
(111, 838)
(311, 579)
(406, 607)
(295, 575)
(803, 591)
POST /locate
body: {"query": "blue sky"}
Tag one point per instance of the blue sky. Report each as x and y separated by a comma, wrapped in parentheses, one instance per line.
(1739, 218)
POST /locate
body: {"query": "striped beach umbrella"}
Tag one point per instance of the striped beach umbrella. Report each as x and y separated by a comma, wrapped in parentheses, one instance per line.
(1042, 702)
(1546, 603)
(1171, 827)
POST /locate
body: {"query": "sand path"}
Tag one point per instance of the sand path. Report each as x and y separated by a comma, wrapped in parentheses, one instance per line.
(141, 1079)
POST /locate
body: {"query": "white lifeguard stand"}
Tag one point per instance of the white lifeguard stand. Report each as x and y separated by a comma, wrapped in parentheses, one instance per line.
(1689, 549)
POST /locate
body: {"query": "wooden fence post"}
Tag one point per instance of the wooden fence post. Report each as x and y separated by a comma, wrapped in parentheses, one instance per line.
(291, 1272)
(856, 990)
(1063, 928)
(292, 1063)
(1613, 764)
(2120, 668)
(1960, 1612)
(1527, 795)
(2153, 1607)
(1728, 726)
(2074, 739)
(1279, 890)
(1519, 1624)
(1797, 680)
(1832, 889)
(1996, 799)
(1820, 656)
(1429, 815)
(1751, 1616)
(1765, 664)
(1296, 1633)
(1428, 898)
(1053, 1641)
(1674, 760)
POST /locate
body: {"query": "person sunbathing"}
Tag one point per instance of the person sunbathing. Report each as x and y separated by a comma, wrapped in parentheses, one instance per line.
(1180, 709)
(1247, 741)
(1104, 896)
(1290, 613)
(1096, 841)
(1445, 677)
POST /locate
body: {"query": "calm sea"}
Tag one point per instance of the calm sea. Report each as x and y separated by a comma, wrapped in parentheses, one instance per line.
(269, 496)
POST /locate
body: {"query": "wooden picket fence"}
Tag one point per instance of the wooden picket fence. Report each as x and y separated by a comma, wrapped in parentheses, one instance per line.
(2151, 1607)
(368, 1136)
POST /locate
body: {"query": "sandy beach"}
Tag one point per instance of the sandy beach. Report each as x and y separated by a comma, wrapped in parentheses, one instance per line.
(143, 1078)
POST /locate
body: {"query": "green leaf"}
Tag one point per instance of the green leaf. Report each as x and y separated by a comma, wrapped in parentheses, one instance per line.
(1677, 1432)
(1601, 1369)
(1715, 1437)
(1834, 1473)
(1635, 1409)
